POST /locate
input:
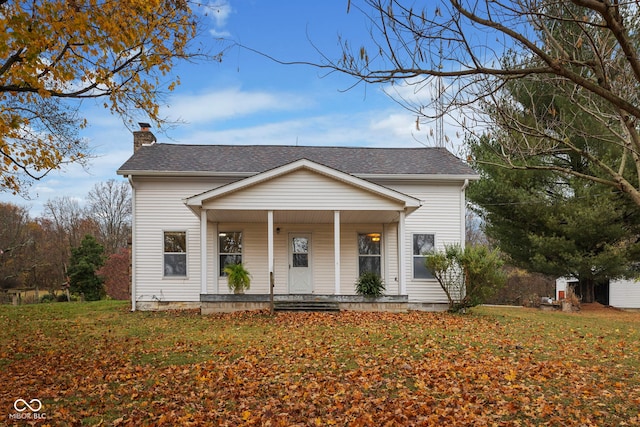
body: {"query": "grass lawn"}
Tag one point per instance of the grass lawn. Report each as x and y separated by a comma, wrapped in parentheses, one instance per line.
(100, 364)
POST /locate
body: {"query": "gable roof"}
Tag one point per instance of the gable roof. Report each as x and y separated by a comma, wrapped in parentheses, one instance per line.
(407, 201)
(246, 160)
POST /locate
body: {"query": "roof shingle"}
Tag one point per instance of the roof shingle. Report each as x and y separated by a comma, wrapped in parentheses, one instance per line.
(250, 159)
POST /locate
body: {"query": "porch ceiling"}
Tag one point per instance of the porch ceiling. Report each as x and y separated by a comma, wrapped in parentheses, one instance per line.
(303, 217)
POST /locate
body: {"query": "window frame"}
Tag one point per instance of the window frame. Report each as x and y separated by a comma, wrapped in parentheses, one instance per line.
(379, 255)
(180, 254)
(221, 254)
(415, 256)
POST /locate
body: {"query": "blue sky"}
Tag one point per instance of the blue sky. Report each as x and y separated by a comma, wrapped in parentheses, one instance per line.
(248, 99)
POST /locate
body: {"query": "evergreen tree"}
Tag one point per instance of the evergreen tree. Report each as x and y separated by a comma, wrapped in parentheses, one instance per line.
(85, 261)
(560, 226)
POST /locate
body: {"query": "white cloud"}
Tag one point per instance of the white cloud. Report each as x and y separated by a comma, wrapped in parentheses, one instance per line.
(219, 12)
(397, 123)
(383, 128)
(229, 103)
(220, 34)
(424, 94)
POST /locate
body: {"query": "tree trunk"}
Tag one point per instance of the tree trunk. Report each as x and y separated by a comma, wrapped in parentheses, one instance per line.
(587, 290)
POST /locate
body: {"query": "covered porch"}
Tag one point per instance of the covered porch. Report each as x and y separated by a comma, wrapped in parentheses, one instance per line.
(309, 227)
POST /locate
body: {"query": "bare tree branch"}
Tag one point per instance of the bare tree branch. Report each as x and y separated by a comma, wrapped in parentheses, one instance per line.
(583, 50)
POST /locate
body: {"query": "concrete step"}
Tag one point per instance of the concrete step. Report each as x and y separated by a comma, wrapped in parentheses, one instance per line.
(305, 306)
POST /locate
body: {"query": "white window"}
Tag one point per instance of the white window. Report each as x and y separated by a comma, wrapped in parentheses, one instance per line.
(369, 255)
(422, 244)
(175, 253)
(230, 248)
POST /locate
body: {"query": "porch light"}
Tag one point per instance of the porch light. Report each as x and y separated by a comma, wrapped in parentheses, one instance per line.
(375, 237)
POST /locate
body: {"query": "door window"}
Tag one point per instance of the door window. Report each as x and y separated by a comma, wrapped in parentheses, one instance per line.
(300, 252)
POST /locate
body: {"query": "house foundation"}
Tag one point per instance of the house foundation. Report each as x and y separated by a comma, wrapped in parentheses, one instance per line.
(227, 303)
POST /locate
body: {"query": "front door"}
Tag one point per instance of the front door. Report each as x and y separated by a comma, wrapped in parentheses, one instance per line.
(300, 263)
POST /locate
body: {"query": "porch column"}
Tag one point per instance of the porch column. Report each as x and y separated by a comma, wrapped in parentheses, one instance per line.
(270, 241)
(463, 214)
(216, 258)
(336, 250)
(385, 252)
(203, 251)
(402, 262)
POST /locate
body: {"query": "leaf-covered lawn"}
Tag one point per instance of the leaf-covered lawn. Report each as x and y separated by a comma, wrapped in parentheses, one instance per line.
(99, 364)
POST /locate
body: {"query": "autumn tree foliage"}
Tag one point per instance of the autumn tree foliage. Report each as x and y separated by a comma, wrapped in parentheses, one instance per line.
(56, 53)
(66, 225)
(31, 252)
(50, 270)
(35, 252)
(460, 55)
(115, 273)
(15, 243)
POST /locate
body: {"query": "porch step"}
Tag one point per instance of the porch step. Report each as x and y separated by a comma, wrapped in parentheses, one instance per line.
(306, 306)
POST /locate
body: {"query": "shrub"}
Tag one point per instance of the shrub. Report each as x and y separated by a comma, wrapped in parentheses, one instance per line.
(48, 298)
(85, 261)
(370, 284)
(115, 273)
(467, 276)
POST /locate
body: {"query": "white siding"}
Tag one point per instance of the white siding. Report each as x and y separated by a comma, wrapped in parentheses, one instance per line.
(440, 214)
(303, 190)
(624, 293)
(562, 285)
(159, 208)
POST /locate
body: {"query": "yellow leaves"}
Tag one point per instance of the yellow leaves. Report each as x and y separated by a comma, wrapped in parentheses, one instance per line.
(511, 375)
(89, 48)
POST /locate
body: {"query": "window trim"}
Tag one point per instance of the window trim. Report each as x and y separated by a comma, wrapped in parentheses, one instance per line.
(220, 253)
(185, 253)
(414, 256)
(380, 255)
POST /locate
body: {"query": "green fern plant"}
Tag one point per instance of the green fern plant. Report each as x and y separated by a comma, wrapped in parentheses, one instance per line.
(238, 277)
(370, 284)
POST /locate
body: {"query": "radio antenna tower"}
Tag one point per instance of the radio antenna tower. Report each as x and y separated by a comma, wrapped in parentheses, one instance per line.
(440, 106)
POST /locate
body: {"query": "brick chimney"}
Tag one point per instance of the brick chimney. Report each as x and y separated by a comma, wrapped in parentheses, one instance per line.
(143, 136)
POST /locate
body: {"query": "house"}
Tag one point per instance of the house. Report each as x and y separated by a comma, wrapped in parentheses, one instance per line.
(624, 294)
(619, 293)
(309, 220)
